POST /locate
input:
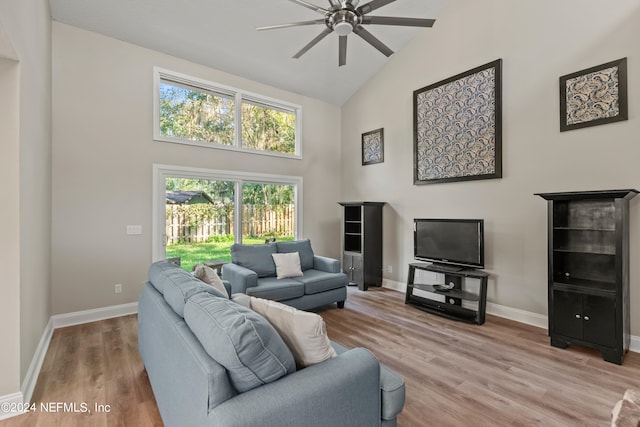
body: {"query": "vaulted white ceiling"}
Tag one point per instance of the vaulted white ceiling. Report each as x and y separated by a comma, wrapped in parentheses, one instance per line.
(222, 34)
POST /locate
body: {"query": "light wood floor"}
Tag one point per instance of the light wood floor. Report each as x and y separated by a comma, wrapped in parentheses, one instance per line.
(457, 374)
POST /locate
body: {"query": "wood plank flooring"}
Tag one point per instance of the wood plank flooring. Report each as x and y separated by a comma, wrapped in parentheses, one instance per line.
(502, 373)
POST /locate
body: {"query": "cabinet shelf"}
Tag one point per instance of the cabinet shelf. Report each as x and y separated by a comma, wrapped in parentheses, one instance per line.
(584, 251)
(452, 293)
(585, 229)
(591, 287)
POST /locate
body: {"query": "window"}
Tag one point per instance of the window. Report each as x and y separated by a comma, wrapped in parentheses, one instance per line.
(199, 213)
(193, 111)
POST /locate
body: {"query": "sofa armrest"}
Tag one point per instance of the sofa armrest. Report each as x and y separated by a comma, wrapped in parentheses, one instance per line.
(240, 278)
(329, 265)
(341, 391)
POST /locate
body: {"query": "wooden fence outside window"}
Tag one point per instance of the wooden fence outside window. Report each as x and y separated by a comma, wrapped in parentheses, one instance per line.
(198, 223)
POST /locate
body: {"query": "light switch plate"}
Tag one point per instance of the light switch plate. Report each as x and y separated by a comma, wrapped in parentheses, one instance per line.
(134, 230)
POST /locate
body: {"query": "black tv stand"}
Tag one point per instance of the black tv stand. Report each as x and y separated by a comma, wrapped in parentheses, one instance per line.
(452, 306)
(445, 268)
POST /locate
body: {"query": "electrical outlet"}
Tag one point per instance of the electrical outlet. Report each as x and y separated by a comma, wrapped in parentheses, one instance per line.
(389, 268)
(118, 288)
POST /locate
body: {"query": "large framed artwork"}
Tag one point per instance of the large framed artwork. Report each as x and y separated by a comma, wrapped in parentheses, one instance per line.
(594, 96)
(457, 126)
(373, 147)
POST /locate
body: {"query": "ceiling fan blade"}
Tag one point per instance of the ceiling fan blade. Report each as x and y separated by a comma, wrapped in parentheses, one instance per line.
(342, 51)
(292, 24)
(313, 42)
(392, 20)
(310, 6)
(334, 3)
(372, 40)
(373, 5)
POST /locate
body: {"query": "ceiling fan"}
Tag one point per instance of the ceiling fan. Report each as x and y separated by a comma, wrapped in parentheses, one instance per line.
(345, 17)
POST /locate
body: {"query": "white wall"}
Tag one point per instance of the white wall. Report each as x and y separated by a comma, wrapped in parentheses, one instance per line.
(25, 107)
(10, 227)
(103, 154)
(538, 41)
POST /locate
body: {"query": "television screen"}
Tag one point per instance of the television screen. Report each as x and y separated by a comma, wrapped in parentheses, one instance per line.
(456, 242)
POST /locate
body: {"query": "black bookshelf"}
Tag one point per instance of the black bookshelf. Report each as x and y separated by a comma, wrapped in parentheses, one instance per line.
(588, 270)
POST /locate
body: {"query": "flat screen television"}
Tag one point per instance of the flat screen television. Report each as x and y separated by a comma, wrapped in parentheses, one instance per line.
(456, 243)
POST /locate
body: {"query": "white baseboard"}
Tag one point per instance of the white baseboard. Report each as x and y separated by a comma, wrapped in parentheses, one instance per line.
(522, 316)
(10, 401)
(87, 316)
(31, 378)
(392, 284)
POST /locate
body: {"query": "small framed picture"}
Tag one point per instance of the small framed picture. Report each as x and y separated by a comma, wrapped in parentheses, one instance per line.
(373, 147)
(594, 96)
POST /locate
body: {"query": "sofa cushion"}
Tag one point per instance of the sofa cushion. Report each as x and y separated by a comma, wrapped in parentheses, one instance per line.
(209, 276)
(240, 340)
(161, 272)
(255, 257)
(303, 247)
(305, 333)
(277, 289)
(242, 299)
(316, 281)
(287, 265)
(177, 285)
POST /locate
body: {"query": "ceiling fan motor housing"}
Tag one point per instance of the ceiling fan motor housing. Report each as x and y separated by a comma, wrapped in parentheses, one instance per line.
(343, 21)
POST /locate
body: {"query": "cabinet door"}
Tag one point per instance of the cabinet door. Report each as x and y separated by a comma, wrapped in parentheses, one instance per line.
(356, 264)
(567, 314)
(599, 320)
(347, 266)
(352, 267)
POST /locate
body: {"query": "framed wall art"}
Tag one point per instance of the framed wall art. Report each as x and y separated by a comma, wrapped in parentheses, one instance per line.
(373, 147)
(594, 96)
(457, 126)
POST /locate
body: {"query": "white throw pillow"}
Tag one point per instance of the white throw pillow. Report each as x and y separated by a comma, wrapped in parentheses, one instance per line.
(209, 276)
(287, 265)
(304, 333)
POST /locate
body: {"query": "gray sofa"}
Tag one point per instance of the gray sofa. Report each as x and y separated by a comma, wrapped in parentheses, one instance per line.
(253, 272)
(193, 389)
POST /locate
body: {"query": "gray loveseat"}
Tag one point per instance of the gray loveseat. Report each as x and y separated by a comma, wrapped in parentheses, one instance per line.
(253, 272)
(193, 389)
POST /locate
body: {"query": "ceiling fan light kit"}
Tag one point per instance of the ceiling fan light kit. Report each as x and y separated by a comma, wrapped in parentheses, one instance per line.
(345, 17)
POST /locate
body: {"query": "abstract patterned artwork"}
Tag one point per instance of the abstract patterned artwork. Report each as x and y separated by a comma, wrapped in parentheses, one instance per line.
(594, 96)
(373, 147)
(458, 127)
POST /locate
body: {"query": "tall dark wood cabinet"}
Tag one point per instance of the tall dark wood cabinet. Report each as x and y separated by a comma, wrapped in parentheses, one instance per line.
(362, 243)
(588, 270)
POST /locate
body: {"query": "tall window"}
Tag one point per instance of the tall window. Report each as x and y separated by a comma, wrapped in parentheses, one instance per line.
(199, 214)
(193, 111)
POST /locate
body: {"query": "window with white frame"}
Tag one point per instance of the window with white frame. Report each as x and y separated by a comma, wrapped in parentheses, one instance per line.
(193, 111)
(201, 212)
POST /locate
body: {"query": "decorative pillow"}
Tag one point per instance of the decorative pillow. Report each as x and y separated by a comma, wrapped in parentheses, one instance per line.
(239, 339)
(303, 247)
(305, 333)
(209, 276)
(287, 265)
